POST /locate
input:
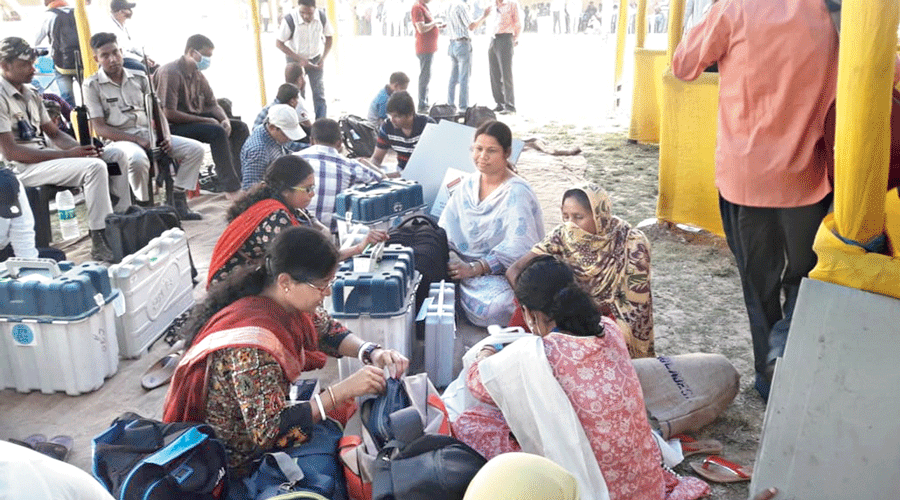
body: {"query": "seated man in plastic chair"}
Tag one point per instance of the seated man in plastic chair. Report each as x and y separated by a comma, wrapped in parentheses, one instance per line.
(17, 222)
(115, 98)
(24, 124)
(191, 108)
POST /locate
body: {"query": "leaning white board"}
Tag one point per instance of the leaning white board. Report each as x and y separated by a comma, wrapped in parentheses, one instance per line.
(444, 145)
(831, 427)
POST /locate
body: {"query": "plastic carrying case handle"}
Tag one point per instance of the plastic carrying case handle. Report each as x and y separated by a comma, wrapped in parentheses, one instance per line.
(15, 266)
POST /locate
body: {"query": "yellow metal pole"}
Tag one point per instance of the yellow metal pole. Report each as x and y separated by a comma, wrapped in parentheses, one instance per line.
(676, 26)
(621, 31)
(84, 39)
(862, 146)
(333, 17)
(261, 75)
(640, 24)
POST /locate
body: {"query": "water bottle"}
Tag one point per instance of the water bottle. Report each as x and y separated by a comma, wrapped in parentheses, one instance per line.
(68, 221)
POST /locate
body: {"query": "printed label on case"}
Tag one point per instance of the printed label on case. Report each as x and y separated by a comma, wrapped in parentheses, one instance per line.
(23, 335)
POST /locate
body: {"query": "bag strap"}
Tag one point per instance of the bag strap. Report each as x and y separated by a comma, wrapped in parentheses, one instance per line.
(288, 466)
(289, 19)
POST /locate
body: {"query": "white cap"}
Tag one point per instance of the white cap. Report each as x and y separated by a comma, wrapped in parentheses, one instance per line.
(285, 118)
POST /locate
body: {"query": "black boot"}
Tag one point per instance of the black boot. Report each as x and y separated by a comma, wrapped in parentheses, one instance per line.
(99, 248)
(179, 199)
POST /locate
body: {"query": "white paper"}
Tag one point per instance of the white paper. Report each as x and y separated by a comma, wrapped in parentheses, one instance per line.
(452, 179)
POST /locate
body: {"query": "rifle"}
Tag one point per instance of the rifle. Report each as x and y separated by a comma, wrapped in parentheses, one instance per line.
(163, 165)
(82, 123)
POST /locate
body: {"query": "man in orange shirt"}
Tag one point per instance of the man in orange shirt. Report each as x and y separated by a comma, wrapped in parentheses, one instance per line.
(507, 28)
(778, 68)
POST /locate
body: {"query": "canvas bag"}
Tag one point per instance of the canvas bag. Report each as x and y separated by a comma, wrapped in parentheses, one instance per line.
(358, 450)
(143, 459)
(686, 392)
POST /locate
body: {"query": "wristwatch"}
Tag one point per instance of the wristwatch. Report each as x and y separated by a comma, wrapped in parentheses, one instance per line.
(366, 355)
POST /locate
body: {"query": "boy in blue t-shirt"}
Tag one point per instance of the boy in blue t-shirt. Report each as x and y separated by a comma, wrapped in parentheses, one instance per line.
(402, 131)
(378, 108)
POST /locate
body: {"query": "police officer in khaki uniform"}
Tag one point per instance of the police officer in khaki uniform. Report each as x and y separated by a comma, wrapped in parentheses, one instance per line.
(24, 124)
(114, 97)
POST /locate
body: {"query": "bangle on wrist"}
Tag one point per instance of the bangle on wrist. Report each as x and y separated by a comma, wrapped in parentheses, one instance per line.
(359, 352)
(333, 401)
(321, 407)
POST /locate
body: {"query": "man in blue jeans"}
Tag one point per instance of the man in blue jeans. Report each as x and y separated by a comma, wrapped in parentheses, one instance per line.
(459, 24)
(305, 36)
(426, 45)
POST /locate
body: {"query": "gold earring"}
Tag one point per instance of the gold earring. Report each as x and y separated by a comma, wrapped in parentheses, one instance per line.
(286, 289)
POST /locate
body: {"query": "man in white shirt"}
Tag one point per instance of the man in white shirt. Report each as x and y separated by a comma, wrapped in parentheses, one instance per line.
(305, 37)
(28, 475)
(17, 222)
(133, 54)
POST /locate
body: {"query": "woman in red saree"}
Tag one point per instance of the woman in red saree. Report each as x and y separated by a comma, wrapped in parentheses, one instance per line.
(276, 203)
(254, 335)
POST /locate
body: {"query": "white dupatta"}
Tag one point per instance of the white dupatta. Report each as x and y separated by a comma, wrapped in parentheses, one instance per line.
(539, 414)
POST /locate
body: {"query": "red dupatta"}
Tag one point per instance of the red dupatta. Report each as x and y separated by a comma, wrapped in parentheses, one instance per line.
(240, 229)
(253, 321)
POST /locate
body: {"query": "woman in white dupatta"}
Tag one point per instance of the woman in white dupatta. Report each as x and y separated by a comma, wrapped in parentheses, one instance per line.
(570, 394)
(492, 219)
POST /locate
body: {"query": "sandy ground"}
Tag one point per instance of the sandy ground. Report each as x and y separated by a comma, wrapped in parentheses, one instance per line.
(565, 97)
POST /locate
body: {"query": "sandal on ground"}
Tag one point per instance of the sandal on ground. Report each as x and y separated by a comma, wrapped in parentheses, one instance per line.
(719, 470)
(691, 446)
(57, 447)
(160, 373)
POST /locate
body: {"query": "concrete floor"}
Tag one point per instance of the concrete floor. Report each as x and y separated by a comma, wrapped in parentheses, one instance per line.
(87, 415)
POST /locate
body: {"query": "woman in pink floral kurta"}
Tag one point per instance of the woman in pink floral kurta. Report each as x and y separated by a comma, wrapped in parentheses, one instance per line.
(596, 374)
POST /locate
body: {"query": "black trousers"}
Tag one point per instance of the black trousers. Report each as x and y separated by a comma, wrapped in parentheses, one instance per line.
(226, 150)
(500, 56)
(773, 251)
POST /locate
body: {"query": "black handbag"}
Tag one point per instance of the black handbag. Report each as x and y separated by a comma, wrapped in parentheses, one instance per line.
(132, 230)
(431, 467)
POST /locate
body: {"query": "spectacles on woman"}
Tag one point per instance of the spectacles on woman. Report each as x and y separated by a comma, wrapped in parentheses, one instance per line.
(321, 289)
(307, 189)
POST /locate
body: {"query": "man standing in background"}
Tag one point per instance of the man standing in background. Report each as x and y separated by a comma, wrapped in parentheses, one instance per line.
(459, 24)
(772, 180)
(426, 45)
(305, 37)
(506, 36)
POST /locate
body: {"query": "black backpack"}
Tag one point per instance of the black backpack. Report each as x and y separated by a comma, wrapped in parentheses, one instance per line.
(443, 112)
(142, 459)
(64, 38)
(430, 248)
(476, 115)
(358, 135)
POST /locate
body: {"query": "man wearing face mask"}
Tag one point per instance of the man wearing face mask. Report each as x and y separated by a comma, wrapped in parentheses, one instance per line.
(192, 111)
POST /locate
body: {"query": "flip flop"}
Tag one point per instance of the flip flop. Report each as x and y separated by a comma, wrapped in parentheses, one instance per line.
(161, 372)
(57, 447)
(719, 470)
(691, 446)
(34, 439)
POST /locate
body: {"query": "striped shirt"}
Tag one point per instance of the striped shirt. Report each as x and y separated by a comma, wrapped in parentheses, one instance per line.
(390, 137)
(509, 19)
(334, 173)
(458, 20)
